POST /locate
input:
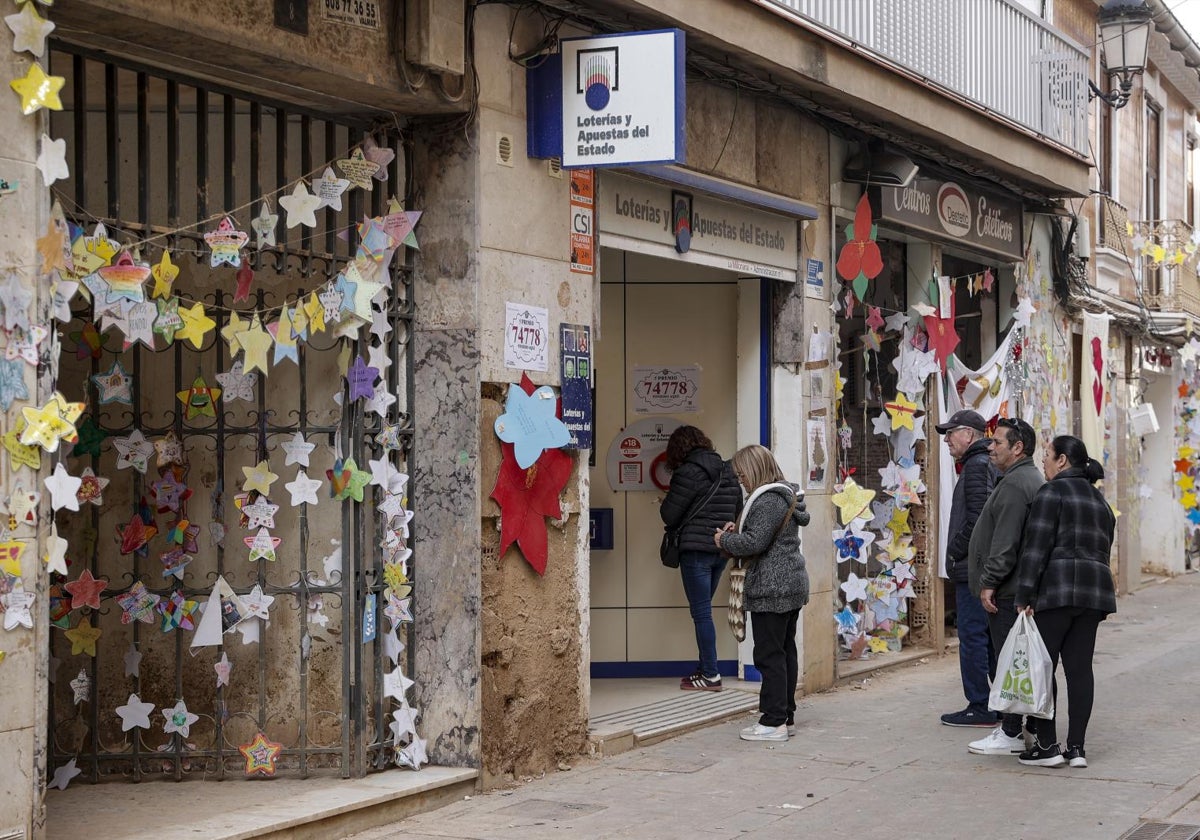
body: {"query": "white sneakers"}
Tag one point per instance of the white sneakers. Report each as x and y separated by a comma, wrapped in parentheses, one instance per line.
(997, 743)
(758, 732)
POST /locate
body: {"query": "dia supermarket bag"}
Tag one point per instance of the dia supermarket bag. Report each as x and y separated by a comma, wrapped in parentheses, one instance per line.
(1024, 675)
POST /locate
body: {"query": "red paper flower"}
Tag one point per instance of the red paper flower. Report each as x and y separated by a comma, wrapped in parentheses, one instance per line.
(943, 337)
(860, 255)
(527, 497)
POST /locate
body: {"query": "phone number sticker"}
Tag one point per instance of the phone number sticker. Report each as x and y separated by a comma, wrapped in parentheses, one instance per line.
(362, 13)
(664, 390)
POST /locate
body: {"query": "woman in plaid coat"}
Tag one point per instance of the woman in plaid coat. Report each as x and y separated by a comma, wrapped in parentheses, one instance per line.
(1064, 575)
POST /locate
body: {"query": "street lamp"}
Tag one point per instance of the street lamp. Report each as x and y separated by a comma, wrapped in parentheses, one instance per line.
(1124, 38)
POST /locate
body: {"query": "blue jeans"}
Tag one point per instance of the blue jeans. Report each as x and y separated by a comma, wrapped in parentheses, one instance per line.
(701, 571)
(974, 647)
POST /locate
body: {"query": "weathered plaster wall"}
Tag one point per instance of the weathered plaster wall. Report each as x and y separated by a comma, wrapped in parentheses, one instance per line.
(23, 217)
(535, 635)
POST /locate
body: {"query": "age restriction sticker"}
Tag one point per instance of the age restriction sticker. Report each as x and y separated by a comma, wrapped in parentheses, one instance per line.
(361, 13)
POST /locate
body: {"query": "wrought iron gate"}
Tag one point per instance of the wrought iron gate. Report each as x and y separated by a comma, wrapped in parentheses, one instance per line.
(153, 155)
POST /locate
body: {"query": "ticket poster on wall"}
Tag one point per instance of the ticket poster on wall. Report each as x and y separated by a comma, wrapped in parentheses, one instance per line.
(637, 456)
(526, 337)
(575, 366)
(666, 389)
(818, 454)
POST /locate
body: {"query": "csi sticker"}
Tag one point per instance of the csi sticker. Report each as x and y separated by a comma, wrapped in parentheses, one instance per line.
(526, 337)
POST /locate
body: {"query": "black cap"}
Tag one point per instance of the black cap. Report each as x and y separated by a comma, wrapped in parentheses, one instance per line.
(966, 417)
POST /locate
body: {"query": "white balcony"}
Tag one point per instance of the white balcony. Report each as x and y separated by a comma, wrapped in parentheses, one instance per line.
(989, 54)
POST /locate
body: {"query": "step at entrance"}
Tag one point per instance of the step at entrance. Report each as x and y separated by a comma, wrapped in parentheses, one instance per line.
(619, 731)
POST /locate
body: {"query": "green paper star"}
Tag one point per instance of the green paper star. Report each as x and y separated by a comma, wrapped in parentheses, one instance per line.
(90, 438)
(358, 481)
(169, 320)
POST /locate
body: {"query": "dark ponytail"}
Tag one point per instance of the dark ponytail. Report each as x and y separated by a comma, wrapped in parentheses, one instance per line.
(1077, 456)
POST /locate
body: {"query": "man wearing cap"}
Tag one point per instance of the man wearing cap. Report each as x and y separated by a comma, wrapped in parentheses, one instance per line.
(993, 553)
(964, 435)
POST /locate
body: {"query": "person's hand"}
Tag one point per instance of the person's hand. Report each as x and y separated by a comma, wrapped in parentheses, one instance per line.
(1021, 608)
(717, 534)
(729, 526)
(987, 597)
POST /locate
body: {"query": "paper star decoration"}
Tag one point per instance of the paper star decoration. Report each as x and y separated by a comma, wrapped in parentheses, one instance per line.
(114, 384)
(135, 534)
(15, 298)
(226, 243)
(12, 382)
(133, 661)
(261, 754)
(56, 551)
(255, 342)
(52, 160)
(303, 489)
(262, 545)
(138, 604)
(196, 325)
(412, 755)
(199, 400)
(37, 90)
(1023, 312)
(297, 450)
(329, 189)
(847, 620)
(237, 385)
(222, 669)
(396, 685)
(348, 480)
(261, 514)
(17, 606)
(852, 542)
(530, 425)
(259, 477)
(381, 156)
(301, 206)
(64, 774)
(83, 638)
(134, 714)
(133, 451)
(164, 274)
(169, 450)
(178, 719)
(263, 226)
(855, 588)
(63, 488)
(361, 379)
(902, 410)
(177, 611)
(852, 501)
(29, 30)
(53, 422)
(85, 591)
(404, 722)
(357, 169)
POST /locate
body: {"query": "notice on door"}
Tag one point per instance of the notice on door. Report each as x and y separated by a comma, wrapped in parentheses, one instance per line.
(637, 456)
(666, 390)
(526, 336)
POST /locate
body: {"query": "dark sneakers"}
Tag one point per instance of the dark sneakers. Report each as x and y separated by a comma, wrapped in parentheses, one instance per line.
(699, 682)
(1039, 756)
(970, 717)
(1075, 757)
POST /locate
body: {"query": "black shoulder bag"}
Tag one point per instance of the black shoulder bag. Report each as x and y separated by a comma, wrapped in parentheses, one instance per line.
(668, 551)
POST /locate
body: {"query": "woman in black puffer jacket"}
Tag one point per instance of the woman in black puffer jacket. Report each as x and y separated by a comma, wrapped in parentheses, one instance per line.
(698, 471)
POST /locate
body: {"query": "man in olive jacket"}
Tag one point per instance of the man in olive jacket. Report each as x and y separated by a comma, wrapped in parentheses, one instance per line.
(992, 558)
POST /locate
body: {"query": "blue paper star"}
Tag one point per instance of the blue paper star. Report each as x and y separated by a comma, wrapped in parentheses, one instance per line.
(848, 547)
(348, 289)
(886, 610)
(1194, 516)
(529, 424)
(12, 382)
(847, 620)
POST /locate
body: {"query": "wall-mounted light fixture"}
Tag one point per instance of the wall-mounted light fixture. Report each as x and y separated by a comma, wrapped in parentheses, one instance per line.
(1124, 39)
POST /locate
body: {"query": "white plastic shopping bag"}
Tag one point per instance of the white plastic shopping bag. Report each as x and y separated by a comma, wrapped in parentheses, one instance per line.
(1024, 675)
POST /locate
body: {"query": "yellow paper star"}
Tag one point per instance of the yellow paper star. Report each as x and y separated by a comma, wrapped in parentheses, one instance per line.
(316, 314)
(1185, 482)
(839, 385)
(19, 454)
(164, 275)
(898, 524)
(877, 645)
(53, 422)
(196, 325)
(83, 638)
(902, 410)
(852, 501)
(229, 332)
(1186, 452)
(10, 557)
(255, 342)
(37, 90)
(899, 547)
(259, 477)
(1188, 499)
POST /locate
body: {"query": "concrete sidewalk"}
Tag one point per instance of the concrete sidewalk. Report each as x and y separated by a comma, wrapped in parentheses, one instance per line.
(873, 761)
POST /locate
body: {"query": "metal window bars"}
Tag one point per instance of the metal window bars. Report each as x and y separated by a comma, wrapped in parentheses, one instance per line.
(176, 151)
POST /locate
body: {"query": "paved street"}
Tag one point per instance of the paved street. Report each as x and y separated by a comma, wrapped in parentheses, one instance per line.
(874, 761)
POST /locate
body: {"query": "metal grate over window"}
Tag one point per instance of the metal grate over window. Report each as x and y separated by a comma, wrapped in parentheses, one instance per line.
(157, 159)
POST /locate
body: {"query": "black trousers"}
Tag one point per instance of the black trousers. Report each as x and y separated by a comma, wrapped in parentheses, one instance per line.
(775, 659)
(1070, 632)
(1000, 624)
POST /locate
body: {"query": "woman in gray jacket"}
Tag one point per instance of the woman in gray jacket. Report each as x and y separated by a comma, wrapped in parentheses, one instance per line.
(766, 541)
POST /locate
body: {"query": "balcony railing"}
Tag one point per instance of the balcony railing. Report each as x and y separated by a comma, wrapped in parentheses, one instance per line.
(1169, 252)
(988, 52)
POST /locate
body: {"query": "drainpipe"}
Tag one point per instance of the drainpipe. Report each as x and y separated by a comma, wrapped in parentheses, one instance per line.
(1166, 23)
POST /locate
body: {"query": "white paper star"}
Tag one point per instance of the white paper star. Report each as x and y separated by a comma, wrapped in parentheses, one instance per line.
(404, 722)
(855, 588)
(303, 489)
(381, 472)
(264, 226)
(63, 775)
(133, 661)
(301, 206)
(63, 486)
(139, 324)
(381, 399)
(395, 684)
(261, 514)
(297, 450)
(237, 385)
(222, 667)
(258, 604)
(378, 358)
(64, 290)
(381, 326)
(134, 713)
(17, 604)
(1023, 312)
(391, 507)
(178, 719)
(56, 551)
(392, 646)
(133, 451)
(81, 687)
(52, 160)
(329, 190)
(29, 30)
(413, 755)
(333, 563)
(882, 425)
(15, 298)
(896, 321)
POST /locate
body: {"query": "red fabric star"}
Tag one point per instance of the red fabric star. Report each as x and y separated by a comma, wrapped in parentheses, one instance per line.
(527, 497)
(943, 337)
(85, 591)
